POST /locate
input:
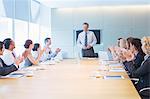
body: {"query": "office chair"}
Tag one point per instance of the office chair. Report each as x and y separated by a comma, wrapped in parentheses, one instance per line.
(145, 93)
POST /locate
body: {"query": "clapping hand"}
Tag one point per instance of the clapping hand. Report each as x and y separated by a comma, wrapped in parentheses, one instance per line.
(89, 46)
(57, 50)
(129, 55)
(19, 60)
(86, 47)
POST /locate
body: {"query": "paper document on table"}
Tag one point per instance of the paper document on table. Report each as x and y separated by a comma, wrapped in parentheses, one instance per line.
(48, 63)
(44, 63)
(35, 68)
(117, 64)
(117, 70)
(13, 75)
(113, 77)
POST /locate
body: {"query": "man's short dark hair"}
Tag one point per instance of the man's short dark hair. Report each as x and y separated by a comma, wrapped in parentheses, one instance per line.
(46, 40)
(85, 23)
(120, 38)
(7, 43)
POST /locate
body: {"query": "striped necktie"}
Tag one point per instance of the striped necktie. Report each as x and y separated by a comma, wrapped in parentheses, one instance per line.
(13, 55)
(85, 39)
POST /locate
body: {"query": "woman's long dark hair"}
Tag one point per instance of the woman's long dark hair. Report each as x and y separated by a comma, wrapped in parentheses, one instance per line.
(129, 40)
(36, 46)
(136, 42)
(28, 43)
(1, 45)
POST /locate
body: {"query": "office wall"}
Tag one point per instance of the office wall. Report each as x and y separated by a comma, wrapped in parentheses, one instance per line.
(114, 21)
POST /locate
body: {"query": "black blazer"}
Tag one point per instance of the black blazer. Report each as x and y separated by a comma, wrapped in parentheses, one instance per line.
(131, 65)
(143, 72)
(5, 70)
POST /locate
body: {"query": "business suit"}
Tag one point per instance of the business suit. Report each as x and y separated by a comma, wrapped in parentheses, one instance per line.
(5, 69)
(143, 72)
(88, 52)
(85, 39)
(136, 63)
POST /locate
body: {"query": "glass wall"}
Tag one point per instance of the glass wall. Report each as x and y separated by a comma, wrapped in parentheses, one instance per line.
(34, 29)
(5, 28)
(21, 34)
(24, 19)
(44, 32)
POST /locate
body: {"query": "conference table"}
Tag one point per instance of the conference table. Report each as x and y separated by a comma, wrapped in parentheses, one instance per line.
(69, 79)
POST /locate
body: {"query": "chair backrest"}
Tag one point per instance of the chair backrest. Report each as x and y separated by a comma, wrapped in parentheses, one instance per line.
(145, 93)
(103, 55)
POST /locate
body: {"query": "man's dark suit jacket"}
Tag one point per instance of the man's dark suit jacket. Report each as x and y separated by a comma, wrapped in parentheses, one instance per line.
(5, 70)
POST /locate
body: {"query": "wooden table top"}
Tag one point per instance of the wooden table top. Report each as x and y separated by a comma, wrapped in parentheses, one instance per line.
(68, 80)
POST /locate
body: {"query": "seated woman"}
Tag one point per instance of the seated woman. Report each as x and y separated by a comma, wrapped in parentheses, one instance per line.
(116, 51)
(137, 58)
(143, 72)
(124, 48)
(36, 50)
(128, 43)
(5, 69)
(29, 59)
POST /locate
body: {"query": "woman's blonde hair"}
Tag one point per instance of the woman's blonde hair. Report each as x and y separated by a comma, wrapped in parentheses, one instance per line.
(146, 44)
(123, 43)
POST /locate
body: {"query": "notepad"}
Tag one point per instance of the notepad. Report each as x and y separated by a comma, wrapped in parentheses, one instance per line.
(117, 70)
(13, 75)
(113, 65)
(52, 62)
(29, 74)
(113, 77)
(113, 62)
(35, 68)
(44, 63)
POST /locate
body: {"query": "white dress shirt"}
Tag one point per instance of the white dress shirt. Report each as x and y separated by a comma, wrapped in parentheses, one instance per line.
(91, 39)
(8, 57)
(35, 54)
(48, 54)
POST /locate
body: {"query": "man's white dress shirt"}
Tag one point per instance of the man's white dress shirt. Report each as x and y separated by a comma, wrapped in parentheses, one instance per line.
(8, 57)
(91, 39)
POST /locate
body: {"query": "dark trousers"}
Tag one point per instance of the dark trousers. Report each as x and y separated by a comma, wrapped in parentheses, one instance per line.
(88, 52)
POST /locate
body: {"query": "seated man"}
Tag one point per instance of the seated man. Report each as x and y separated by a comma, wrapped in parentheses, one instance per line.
(48, 54)
(5, 69)
(9, 57)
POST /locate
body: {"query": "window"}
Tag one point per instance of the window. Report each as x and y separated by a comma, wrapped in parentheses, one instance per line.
(34, 32)
(5, 28)
(35, 11)
(21, 34)
(2, 10)
(22, 20)
(44, 32)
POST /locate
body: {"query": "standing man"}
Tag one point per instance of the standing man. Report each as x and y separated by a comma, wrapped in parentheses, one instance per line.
(86, 41)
